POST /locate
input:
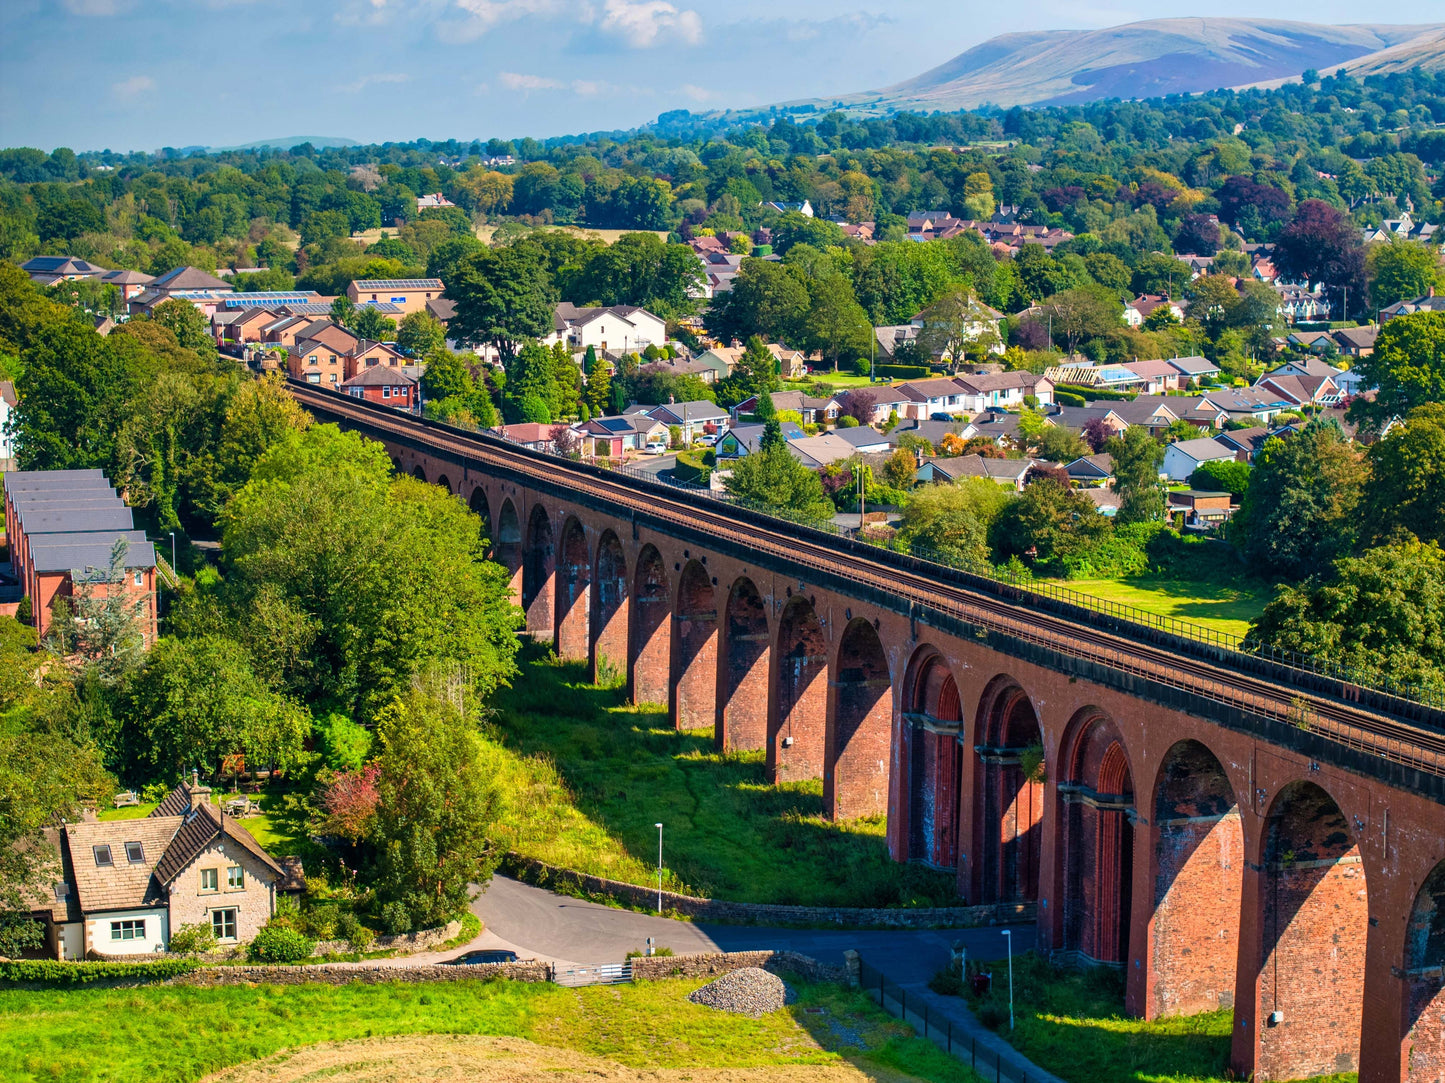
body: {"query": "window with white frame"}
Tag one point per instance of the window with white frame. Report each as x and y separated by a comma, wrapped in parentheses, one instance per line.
(128, 930)
(210, 879)
(140, 579)
(223, 924)
(235, 878)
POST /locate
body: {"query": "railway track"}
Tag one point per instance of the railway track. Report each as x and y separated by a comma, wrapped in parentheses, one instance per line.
(1351, 725)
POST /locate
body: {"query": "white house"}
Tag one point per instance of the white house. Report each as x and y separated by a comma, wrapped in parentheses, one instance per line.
(804, 208)
(1141, 308)
(8, 402)
(623, 329)
(1181, 459)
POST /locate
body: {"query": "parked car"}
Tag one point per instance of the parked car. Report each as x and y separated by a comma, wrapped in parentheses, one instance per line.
(489, 955)
(657, 448)
(707, 439)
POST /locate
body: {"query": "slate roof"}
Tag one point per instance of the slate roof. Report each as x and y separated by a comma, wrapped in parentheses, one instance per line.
(71, 557)
(126, 277)
(397, 284)
(38, 519)
(1203, 449)
(1092, 466)
(190, 278)
(1194, 365)
(379, 376)
(697, 410)
(49, 479)
(980, 467)
(60, 265)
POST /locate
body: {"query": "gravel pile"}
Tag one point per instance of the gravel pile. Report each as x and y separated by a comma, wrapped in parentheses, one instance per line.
(748, 991)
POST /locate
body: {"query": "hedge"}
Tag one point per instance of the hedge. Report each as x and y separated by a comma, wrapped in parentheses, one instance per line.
(1096, 392)
(903, 372)
(1068, 398)
(54, 972)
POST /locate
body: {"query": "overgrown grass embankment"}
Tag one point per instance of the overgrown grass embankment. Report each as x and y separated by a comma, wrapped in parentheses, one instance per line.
(1225, 606)
(1072, 1023)
(163, 1034)
(588, 775)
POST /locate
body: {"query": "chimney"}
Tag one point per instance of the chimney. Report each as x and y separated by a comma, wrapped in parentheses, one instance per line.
(200, 795)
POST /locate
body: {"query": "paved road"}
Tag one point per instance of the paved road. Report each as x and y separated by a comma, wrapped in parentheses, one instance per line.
(654, 464)
(560, 929)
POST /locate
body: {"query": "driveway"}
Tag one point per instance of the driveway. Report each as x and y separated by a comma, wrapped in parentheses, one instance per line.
(559, 929)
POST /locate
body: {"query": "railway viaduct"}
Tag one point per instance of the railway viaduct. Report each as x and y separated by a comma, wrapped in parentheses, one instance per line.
(1228, 832)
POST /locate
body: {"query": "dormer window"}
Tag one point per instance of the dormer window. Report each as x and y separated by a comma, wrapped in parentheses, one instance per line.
(102, 855)
(135, 853)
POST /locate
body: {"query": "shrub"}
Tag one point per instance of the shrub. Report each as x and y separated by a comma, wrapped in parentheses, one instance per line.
(361, 938)
(1068, 398)
(903, 372)
(847, 421)
(193, 939)
(321, 921)
(395, 919)
(154, 793)
(53, 972)
(991, 1015)
(25, 611)
(946, 983)
(274, 944)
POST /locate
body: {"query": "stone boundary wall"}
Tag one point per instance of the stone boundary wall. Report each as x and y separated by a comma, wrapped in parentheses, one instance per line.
(710, 964)
(344, 974)
(539, 874)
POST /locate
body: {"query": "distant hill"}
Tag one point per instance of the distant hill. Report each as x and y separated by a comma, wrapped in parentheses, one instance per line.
(1148, 59)
(286, 143)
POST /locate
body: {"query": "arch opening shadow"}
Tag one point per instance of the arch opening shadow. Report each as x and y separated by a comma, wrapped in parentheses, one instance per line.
(648, 666)
(742, 714)
(1198, 847)
(574, 583)
(608, 625)
(798, 703)
(418, 473)
(507, 547)
(855, 779)
(1011, 796)
(539, 568)
(1096, 798)
(444, 482)
(1423, 1043)
(1315, 921)
(477, 502)
(694, 651)
(934, 716)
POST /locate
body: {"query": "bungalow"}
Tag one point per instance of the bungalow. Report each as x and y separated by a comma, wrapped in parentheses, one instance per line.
(814, 410)
(1429, 302)
(1153, 412)
(817, 452)
(1145, 305)
(614, 435)
(742, 440)
(1092, 470)
(1087, 374)
(720, 359)
(533, 435)
(1195, 368)
(384, 384)
(693, 418)
(1012, 473)
(1356, 341)
(1157, 377)
(1245, 442)
(1302, 390)
(1006, 389)
(628, 328)
(944, 395)
(804, 208)
(865, 439)
(1201, 508)
(1077, 418)
(1184, 457)
(1245, 403)
(704, 370)
(125, 886)
(407, 294)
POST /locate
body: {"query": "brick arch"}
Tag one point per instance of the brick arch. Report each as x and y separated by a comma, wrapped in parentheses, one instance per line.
(1314, 924)
(574, 589)
(1008, 826)
(1197, 857)
(932, 730)
(648, 656)
(1423, 1041)
(855, 775)
(798, 702)
(539, 567)
(693, 702)
(608, 621)
(444, 481)
(742, 697)
(418, 472)
(507, 546)
(396, 465)
(1095, 817)
(480, 507)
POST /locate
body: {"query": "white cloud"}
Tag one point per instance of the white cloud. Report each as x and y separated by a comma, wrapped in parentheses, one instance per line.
(514, 81)
(697, 93)
(133, 87)
(482, 15)
(95, 7)
(645, 23)
(381, 77)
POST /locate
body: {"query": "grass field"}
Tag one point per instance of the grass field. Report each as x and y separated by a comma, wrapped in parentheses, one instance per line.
(588, 775)
(1225, 607)
(162, 1034)
(1072, 1023)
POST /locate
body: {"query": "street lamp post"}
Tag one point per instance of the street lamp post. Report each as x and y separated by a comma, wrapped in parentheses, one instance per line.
(659, 867)
(1009, 938)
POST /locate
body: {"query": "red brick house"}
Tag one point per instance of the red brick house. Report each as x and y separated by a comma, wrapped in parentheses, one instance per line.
(384, 384)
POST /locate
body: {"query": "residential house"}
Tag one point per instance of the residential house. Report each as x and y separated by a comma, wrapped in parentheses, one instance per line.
(1002, 429)
(1157, 376)
(693, 418)
(1091, 470)
(48, 270)
(1195, 368)
(932, 431)
(1153, 412)
(188, 280)
(988, 326)
(432, 201)
(369, 355)
(317, 363)
(1244, 442)
(1142, 307)
(1104, 377)
(865, 439)
(1076, 418)
(1184, 457)
(891, 339)
(741, 440)
(1202, 509)
(125, 886)
(626, 328)
(1260, 403)
(985, 390)
(8, 403)
(944, 395)
(804, 208)
(814, 410)
(1427, 303)
(129, 283)
(720, 359)
(1356, 341)
(1010, 473)
(679, 366)
(383, 384)
(407, 294)
(614, 435)
(1300, 304)
(1302, 390)
(816, 452)
(533, 435)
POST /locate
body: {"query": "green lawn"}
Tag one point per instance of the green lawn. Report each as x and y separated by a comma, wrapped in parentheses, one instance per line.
(163, 1034)
(840, 381)
(271, 827)
(587, 776)
(1072, 1023)
(1225, 606)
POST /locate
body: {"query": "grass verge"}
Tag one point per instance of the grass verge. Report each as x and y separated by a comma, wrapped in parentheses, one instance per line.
(1072, 1023)
(180, 1033)
(1225, 607)
(587, 776)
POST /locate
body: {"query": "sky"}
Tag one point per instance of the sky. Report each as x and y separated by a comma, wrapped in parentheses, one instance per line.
(142, 74)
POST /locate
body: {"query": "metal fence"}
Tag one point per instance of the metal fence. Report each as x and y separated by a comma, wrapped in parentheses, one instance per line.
(603, 974)
(893, 999)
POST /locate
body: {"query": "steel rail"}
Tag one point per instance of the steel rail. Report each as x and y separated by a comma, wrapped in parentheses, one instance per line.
(1354, 727)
